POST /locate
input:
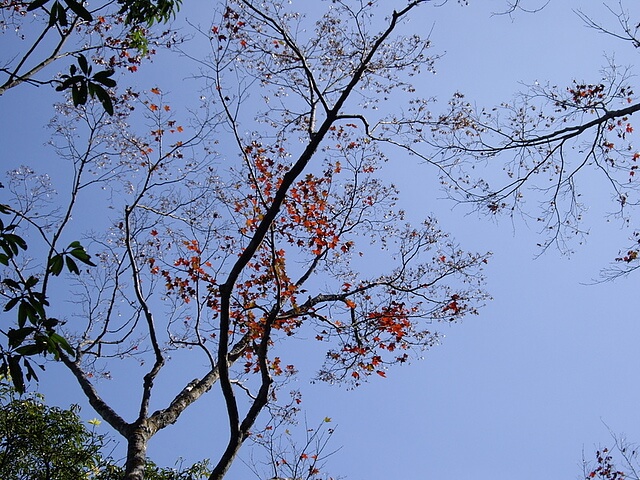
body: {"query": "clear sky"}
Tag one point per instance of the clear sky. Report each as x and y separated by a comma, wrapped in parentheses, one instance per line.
(548, 367)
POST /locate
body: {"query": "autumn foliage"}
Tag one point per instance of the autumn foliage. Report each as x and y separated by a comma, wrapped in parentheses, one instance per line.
(256, 219)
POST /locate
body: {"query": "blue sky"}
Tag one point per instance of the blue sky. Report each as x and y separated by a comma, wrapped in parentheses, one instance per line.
(546, 368)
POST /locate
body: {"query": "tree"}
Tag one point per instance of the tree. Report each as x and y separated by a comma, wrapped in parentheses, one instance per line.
(549, 137)
(248, 228)
(115, 38)
(35, 334)
(617, 463)
(38, 442)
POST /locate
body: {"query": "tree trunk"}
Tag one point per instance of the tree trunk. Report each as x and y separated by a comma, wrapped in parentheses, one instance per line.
(136, 452)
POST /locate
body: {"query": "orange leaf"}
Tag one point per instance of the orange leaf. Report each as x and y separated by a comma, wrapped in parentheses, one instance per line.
(155, 90)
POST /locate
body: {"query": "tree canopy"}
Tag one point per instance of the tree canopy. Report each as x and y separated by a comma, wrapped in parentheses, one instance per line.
(246, 229)
(39, 442)
(231, 261)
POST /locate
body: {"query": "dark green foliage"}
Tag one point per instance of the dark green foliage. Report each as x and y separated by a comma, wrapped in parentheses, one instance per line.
(58, 13)
(197, 471)
(38, 442)
(136, 12)
(84, 85)
(10, 243)
(149, 12)
(34, 333)
(74, 250)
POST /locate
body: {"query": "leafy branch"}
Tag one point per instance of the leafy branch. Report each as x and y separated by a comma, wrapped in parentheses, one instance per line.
(35, 334)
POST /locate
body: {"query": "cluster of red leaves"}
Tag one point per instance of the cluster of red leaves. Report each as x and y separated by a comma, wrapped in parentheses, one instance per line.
(393, 320)
(453, 307)
(308, 222)
(586, 95)
(372, 334)
(128, 54)
(345, 142)
(261, 285)
(264, 179)
(633, 253)
(231, 25)
(386, 329)
(629, 257)
(622, 129)
(164, 124)
(191, 270)
(605, 468)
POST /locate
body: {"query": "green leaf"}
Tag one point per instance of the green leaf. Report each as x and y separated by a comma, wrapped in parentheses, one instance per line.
(143, 11)
(39, 298)
(103, 78)
(31, 282)
(4, 259)
(36, 4)
(14, 239)
(55, 265)
(12, 243)
(31, 373)
(72, 266)
(79, 94)
(83, 256)
(60, 341)
(104, 98)
(9, 282)
(50, 323)
(17, 336)
(30, 350)
(16, 373)
(11, 303)
(79, 10)
(75, 249)
(8, 250)
(80, 254)
(71, 81)
(37, 305)
(58, 15)
(24, 309)
(82, 61)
